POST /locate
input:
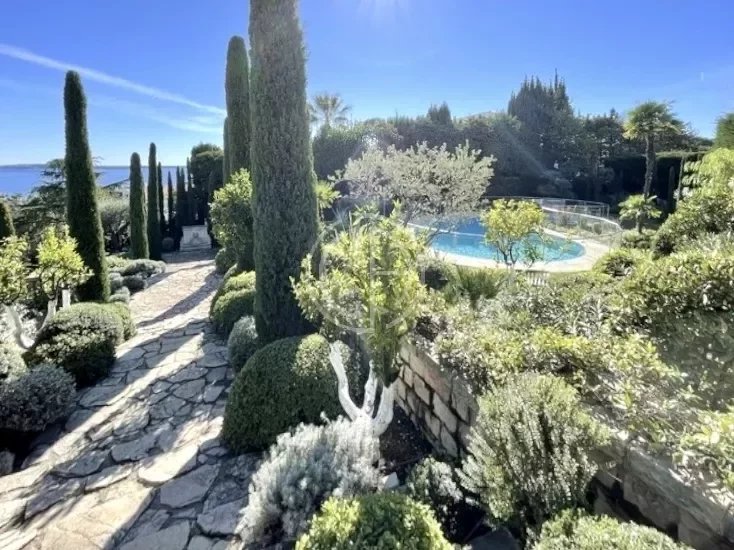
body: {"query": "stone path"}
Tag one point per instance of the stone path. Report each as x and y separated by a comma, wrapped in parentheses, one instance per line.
(139, 464)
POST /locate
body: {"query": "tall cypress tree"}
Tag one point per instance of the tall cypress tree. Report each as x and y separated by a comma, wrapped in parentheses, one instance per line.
(7, 229)
(190, 197)
(182, 207)
(237, 92)
(161, 202)
(154, 226)
(226, 173)
(82, 210)
(170, 198)
(285, 219)
(138, 231)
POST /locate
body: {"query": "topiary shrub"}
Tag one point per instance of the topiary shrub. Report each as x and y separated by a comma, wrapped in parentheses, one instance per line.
(121, 296)
(134, 283)
(242, 342)
(577, 531)
(233, 281)
(620, 262)
(11, 362)
(303, 469)
(35, 399)
(285, 383)
(231, 307)
(224, 260)
(116, 282)
(381, 521)
(81, 339)
(144, 268)
(436, 484)
(168, 244)
(123, 312)
(528, 452)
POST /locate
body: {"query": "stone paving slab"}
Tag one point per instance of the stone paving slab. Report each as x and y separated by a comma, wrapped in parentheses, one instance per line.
(139, 463)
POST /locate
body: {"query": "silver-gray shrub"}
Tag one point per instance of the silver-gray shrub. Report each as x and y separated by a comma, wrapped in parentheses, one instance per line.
(305, 468)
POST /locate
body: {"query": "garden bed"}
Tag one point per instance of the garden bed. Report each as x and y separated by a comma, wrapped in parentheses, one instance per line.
(441, 404)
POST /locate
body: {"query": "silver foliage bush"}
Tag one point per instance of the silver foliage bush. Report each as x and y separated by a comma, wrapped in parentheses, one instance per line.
(37, 398)
(305, 468)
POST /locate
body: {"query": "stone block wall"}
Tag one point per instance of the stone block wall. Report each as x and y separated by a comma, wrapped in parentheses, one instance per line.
(633, 485)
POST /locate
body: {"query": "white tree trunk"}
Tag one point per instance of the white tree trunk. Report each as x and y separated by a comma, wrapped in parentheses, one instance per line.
(65, 298)
(384, 416)
(21, 339)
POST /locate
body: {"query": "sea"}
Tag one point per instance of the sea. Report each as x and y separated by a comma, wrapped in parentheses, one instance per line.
(21, 179)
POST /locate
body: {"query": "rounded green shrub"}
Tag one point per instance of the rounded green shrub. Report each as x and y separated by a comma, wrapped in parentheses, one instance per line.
(231, 307)
(529, 451)
(167, 245)
(224, 260)
(81, 339)
(242, 343)
(382, 521)
(576, 531)
(35, 399)
(11, 362)
(116, 282)
(233, 281)
(287, 382)
(123, 312)
(134, 283)
(620, 262)
(121, 296)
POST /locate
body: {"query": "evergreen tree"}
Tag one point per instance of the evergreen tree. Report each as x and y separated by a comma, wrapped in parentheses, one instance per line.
(237, 91)
(440, 114)
(138, 231)
(190, 197)
(182, 207)
(725, 131)
(285, 217)
(7, 229)
(154, 226)
(226, 173)
(170, 197)
(161, 202)
(82, 210)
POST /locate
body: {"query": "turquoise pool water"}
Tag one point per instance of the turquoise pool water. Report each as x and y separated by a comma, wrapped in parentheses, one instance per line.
(467, 239)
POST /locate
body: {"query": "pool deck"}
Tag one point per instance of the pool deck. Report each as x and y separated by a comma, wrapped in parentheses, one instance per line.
(593, 250)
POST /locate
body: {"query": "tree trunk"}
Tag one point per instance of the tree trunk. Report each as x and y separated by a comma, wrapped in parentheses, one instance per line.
(649, 164)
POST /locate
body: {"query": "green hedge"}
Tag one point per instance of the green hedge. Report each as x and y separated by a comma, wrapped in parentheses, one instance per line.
(81, 339)
(230, 308)
(383, 521)
(285, 383)
(233, 280)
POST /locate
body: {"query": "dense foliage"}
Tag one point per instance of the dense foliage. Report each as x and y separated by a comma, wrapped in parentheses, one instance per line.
(640, 209)
(153, 221)
(304, 469)
(224, 260)
(284, 383)
(7, 229)
(725, 131)
(237, 91)
(82, 211)
(529, 451)
(577, 531)
(376, 522)
(242, 342)
(138, 223)
(59, 266)
(282, 165)
(236, 280)
(230, 307)
(11, 362)
(515, 229)
(436, 484)
(231, 216)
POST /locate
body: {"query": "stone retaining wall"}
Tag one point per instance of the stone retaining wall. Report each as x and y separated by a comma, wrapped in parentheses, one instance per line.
(634, 485)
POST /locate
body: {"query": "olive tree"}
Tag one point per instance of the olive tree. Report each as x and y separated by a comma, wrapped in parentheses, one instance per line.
(369, 286)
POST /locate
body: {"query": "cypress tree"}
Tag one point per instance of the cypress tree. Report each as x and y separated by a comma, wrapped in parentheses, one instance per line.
(237, 92)
(82, 210)
(7, 229)
(226, 173)
(190, 196)
(285, 219)
(138, 231)
(161, 202)
(154, 226)
(182, 207)
(170, 198)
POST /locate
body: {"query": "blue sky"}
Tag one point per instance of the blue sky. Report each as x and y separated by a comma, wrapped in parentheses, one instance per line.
(154, 70)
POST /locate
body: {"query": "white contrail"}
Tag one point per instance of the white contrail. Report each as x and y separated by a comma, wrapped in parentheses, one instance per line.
(104, 78)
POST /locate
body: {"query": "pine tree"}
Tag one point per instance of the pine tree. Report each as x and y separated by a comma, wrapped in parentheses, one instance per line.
(154, 226)
(7, 229)
(138, 231)
(285, 218)
(226, 173)
(82, 210)
(170, 198)
(237, 91)
(161, 202)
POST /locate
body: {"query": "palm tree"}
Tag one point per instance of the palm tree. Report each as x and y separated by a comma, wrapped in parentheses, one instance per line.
(328, 109)
(648, 121)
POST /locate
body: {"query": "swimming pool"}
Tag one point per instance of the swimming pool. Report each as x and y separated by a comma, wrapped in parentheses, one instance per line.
(466, 238)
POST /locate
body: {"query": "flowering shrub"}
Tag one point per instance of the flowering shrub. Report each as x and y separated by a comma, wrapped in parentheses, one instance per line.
(304, 468)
